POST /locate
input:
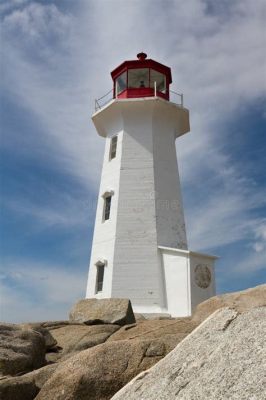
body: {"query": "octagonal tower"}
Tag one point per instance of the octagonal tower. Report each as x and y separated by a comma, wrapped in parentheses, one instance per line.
(139, 248)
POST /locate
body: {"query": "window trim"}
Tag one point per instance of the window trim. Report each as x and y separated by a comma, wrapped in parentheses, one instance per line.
(107, 194)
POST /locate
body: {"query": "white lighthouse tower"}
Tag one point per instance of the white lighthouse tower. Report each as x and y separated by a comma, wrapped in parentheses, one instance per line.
(139, 248)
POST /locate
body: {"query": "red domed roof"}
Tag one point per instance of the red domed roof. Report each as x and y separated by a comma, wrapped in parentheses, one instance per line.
(142, 62)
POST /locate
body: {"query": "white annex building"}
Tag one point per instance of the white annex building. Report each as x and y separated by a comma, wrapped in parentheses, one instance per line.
(139, 248)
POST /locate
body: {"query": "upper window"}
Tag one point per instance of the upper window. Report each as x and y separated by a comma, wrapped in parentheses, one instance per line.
(138, 78)
(113, 147)
(159, 79)
(121, 82)
(107, 208)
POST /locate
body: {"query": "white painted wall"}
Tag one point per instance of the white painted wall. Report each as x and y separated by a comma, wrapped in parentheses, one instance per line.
(146, 209)
(135, 259)
(104, 232)
(171, 231)
(177, 280)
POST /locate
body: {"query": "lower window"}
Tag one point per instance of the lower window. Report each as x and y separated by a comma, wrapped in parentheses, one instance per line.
(99, 278)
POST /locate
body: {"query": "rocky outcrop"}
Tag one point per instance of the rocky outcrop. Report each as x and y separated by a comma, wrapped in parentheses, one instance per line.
(49, 340)
(222, 359)
(73, 338)
(103, 311)
(21, 350)
(95, 361)
(99, 372)
(169, 331)
(25, 387)
(240, 301)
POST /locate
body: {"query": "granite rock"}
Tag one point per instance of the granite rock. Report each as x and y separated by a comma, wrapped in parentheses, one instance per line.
(21, 350)
(50, 341)
(80, 337)
(25, 387)
(99, 372)
(240, 301)
(224, 358)
(103, 311)
(168, 331)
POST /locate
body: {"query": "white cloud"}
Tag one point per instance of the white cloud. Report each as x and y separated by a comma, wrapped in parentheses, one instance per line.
(8, 5)
(258, 247)
(260, 237)
(254, 262)
(65, 212)
(34, 292)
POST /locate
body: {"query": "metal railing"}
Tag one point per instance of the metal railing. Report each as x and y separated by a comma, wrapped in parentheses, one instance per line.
(102, 101)
(178, 96)
(175, 97)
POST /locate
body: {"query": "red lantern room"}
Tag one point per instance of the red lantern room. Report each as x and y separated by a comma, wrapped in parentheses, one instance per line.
(141, 78)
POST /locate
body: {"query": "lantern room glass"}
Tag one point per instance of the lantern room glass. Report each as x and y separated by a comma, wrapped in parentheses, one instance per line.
(138, 78)
(159, 78)
(121, 82)
(141, 78)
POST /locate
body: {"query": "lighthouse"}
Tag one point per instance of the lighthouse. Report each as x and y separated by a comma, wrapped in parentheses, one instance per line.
(139, 249)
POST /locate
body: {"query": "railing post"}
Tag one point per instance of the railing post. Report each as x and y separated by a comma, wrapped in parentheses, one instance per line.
(155, 89)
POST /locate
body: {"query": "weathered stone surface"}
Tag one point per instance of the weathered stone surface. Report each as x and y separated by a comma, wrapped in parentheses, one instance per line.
(240, 301)
(224, 358)
(156, 316)
(169, 331)
(80, 337)
(20, 350)
(103, 311)
(97, 373)
(18, 388)
(50, 341)
(25, 387)
(139, 317)
(54, 324)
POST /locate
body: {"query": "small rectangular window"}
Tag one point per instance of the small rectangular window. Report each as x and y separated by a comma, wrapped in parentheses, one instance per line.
(99, 278)
(113, 147)
(107, 208)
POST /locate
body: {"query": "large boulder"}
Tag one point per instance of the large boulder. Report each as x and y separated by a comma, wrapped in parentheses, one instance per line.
(240, 301)
(80, 337)
(21, 350)
(25, 387)
(169, 331)
(99, 372)
(103, 311)
(222, 359)
(50, 341)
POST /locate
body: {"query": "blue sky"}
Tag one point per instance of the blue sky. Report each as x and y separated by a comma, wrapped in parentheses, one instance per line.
(56, 59)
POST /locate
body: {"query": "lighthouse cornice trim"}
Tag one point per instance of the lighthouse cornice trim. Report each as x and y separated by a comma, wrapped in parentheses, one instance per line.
(139, 99)
(114, 111)
(188, 252)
